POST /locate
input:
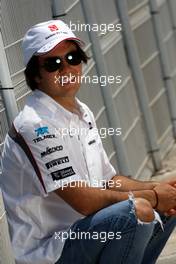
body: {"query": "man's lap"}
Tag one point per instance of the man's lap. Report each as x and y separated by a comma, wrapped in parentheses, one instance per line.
(116, 221)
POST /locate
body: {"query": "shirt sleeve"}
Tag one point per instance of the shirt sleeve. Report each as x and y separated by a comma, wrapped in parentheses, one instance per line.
(51, 155)
(108, 169)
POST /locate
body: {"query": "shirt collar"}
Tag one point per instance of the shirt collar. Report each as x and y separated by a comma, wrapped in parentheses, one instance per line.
(54, 106)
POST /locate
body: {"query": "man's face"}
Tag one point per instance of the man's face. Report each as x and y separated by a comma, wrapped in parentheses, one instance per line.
(58, 84)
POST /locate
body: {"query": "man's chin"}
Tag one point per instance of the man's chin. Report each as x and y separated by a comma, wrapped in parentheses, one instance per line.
(69, 86)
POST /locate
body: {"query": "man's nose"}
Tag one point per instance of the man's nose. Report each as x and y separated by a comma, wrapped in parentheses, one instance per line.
(65, 66)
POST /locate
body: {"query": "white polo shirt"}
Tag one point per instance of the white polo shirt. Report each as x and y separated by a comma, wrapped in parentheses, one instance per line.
(66, 148)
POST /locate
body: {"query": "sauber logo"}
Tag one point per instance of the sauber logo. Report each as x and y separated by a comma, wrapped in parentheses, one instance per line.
(53, 28)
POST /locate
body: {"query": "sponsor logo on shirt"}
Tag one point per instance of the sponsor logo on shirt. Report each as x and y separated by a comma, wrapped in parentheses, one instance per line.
(60, 174)
(49, 151)
(92, 142)
(56, 162)
(41, 131)
(36, 140)
(53, 27)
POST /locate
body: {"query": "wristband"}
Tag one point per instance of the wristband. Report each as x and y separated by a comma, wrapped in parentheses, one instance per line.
(157, 200)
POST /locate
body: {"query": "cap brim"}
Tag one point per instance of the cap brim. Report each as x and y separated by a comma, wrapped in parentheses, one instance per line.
(53, 44)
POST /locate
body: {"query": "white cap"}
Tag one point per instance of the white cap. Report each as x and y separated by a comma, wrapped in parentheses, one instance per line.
(43, 37)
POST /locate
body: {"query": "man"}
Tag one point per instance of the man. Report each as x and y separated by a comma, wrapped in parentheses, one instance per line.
(64, 201)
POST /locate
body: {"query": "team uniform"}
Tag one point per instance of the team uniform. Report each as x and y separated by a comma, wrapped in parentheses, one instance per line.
(57, 147)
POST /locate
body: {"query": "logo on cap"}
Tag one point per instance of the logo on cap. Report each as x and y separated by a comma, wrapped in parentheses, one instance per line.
(53, 28)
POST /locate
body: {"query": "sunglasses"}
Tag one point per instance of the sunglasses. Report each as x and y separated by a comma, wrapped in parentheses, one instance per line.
(52, 64)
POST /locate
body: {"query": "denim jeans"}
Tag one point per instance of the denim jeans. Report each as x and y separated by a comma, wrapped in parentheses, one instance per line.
(114, 235)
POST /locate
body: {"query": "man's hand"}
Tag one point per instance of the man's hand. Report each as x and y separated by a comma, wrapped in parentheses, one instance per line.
(171, 212)
(166, 198)
(171, 182)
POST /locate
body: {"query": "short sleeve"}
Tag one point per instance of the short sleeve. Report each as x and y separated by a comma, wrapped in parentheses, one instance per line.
(108, 169)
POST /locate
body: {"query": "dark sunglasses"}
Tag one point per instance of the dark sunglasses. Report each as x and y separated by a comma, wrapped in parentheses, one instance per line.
(53, 64)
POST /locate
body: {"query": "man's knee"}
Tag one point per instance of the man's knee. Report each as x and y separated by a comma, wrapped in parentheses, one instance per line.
(144, 210)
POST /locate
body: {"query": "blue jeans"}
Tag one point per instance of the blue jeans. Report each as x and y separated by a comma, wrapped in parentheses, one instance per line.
(114, 235)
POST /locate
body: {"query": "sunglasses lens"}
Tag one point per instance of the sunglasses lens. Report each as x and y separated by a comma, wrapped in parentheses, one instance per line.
(74, 58)
(52, 64)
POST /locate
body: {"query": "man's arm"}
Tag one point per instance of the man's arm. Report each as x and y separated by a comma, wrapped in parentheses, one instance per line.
(88, 200)
(126, 183)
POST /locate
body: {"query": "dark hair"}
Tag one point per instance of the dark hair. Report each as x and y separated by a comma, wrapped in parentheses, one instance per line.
(33, 70)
